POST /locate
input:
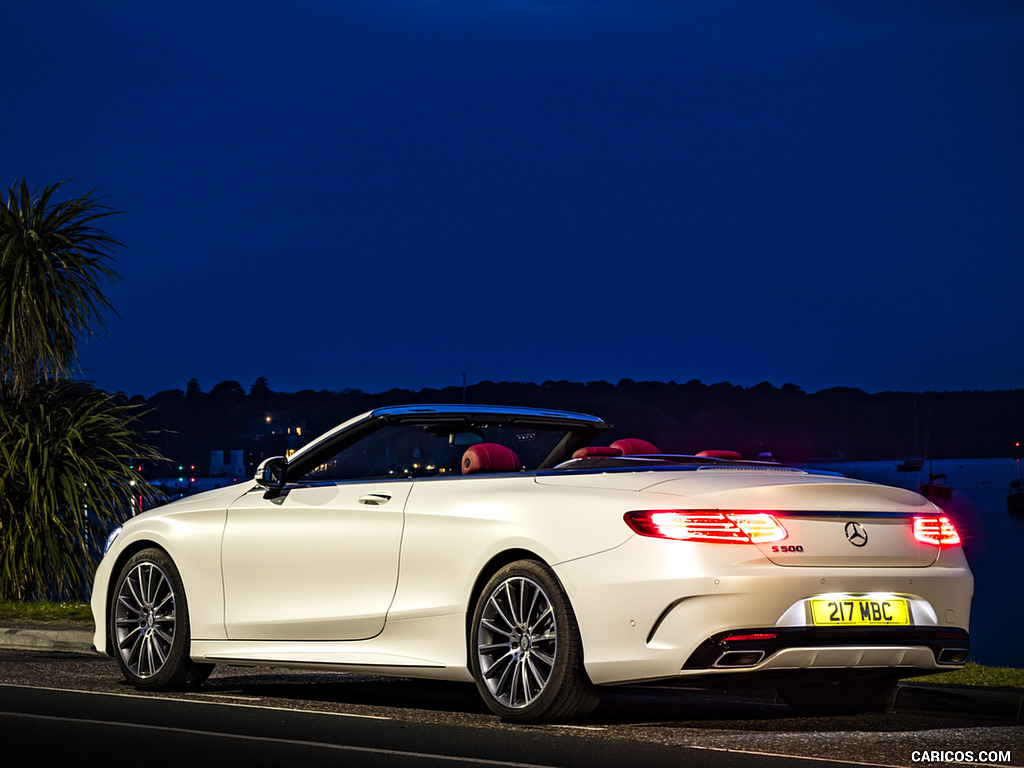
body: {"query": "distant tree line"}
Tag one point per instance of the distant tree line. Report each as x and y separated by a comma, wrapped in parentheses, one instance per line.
(794, 425)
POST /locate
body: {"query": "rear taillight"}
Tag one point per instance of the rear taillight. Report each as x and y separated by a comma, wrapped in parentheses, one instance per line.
(757, 636)
(937, 531)
(722, 527)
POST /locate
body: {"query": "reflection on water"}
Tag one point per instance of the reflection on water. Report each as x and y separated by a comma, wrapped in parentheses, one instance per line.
(993, 543)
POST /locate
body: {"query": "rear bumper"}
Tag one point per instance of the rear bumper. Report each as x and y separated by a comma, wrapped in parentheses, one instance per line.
(809, 647)
(668, 616)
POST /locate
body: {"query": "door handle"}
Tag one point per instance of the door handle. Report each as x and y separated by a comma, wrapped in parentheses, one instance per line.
(375, 499)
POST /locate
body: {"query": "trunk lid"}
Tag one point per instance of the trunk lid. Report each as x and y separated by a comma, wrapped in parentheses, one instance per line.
(831, 521)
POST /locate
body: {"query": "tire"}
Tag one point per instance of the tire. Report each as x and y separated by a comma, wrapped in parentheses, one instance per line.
(149, 627)
(525, 650)
(839, 697)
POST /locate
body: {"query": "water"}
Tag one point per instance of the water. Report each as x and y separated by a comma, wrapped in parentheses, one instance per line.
(993, 542)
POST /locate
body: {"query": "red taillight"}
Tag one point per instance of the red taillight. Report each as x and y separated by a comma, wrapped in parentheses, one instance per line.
(759, 526)
(740, 638)
(723, 527)
(937, 531)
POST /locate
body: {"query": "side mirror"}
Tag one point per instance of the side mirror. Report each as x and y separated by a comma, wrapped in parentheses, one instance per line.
(270, 474)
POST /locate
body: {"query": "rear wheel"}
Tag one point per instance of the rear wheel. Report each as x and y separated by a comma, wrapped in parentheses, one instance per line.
(839, 697)
(526, 652)
(149, 625)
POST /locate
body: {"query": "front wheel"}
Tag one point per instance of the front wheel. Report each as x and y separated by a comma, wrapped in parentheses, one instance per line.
(526, 653)
(149, 625)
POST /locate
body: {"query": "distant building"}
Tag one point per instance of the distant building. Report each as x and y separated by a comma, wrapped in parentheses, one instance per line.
(277, 424)
(223, 466)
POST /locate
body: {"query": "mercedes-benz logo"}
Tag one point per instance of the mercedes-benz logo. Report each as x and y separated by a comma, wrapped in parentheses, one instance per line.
(856, 534)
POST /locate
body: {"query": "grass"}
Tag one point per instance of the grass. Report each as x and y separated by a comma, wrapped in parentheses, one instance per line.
(74, 612)
(977, 674)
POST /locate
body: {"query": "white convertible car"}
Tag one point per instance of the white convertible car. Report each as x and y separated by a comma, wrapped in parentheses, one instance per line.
(515, 548)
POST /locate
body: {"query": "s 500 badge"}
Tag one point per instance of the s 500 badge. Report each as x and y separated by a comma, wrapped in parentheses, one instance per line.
(788, 548)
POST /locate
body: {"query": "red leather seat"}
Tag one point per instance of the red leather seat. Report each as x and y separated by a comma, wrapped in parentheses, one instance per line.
(597, 450)
(731, 455)
(489, 457)
(631, 446)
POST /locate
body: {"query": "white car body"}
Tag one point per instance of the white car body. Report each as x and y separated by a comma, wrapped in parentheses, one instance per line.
(382, 575)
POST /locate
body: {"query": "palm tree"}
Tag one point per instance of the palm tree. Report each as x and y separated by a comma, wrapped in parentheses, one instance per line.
(68, 452)
(69, 473)
(53, 263)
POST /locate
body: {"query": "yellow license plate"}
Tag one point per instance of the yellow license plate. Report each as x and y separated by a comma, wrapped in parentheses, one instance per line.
(859, 612)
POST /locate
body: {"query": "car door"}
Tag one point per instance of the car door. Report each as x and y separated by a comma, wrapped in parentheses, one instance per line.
(318, 562)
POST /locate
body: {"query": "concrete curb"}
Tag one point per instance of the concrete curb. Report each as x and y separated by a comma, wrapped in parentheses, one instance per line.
(918, 698)
(35, 639)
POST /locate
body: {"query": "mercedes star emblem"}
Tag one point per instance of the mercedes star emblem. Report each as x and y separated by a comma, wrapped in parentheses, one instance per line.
(856, 534)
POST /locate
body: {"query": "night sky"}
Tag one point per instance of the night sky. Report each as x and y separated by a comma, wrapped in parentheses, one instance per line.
(391, 193)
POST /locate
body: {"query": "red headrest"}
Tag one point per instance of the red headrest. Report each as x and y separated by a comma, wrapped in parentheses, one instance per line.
(597, 450)
(633, 445)
(489, 457)
(731, 455)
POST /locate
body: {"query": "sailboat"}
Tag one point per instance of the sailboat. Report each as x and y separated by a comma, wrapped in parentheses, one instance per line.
(1015, 497)
(935, 489)
(1015, 493)
(912, 463)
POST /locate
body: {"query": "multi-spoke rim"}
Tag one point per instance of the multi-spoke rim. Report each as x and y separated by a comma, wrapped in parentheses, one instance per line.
(516, 641)
(144, 619)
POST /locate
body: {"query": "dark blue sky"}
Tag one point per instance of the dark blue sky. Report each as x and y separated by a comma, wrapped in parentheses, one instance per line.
(390, 193)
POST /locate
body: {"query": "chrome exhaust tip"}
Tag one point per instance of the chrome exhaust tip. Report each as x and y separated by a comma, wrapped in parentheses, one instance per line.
(951, 656)
(734, 659)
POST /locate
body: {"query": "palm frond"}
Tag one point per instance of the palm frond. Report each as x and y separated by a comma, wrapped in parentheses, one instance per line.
(67, 477)
(54, 264)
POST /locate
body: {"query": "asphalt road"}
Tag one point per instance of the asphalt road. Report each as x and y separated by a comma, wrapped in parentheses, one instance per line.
(67, 706)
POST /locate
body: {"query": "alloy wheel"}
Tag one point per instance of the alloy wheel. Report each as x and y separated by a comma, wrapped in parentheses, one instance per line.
(516, 642)
(144, 619)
